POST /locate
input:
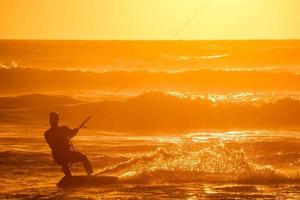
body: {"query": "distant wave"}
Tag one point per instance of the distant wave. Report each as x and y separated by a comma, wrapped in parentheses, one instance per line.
(155, 112)
(34, 100)
(14, 80)
(150, 55)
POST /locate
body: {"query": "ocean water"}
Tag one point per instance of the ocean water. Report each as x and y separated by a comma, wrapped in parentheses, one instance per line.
(252, 164)
(182, 119)
(172, 56)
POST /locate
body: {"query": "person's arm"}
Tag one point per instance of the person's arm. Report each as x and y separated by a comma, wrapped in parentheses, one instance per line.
(73, 132)
(69, 133)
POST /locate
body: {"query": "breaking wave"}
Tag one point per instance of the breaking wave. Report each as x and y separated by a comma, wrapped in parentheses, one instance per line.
(196, 163)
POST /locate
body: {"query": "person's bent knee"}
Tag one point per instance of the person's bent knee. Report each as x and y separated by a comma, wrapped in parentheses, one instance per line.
(81, 156)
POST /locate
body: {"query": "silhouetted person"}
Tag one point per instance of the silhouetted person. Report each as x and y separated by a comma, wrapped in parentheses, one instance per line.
(58, 138)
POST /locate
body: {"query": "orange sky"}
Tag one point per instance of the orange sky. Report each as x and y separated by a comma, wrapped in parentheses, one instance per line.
(149, 19)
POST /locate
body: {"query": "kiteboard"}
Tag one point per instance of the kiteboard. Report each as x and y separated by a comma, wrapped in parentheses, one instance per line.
(81, 181)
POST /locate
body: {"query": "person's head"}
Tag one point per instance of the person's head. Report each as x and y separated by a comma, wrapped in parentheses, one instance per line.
(53, 119)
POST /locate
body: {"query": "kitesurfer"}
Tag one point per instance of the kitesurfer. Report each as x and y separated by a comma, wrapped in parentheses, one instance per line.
(58, 139)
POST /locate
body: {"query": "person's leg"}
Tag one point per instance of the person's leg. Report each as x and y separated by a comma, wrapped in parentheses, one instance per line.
(79, 157)
(63, 161)
(66, 170)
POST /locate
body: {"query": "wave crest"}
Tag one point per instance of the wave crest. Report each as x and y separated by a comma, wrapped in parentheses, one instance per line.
(195, 163)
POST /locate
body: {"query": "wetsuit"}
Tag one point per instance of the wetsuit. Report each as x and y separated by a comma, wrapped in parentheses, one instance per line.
(58, 139)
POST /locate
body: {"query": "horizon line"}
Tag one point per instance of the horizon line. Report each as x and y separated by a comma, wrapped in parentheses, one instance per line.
(149, 40)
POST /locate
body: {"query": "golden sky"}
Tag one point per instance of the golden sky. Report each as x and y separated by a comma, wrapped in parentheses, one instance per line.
(149, 19)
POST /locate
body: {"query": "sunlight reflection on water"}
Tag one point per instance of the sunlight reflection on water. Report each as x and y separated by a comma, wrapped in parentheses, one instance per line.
(215, 97)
